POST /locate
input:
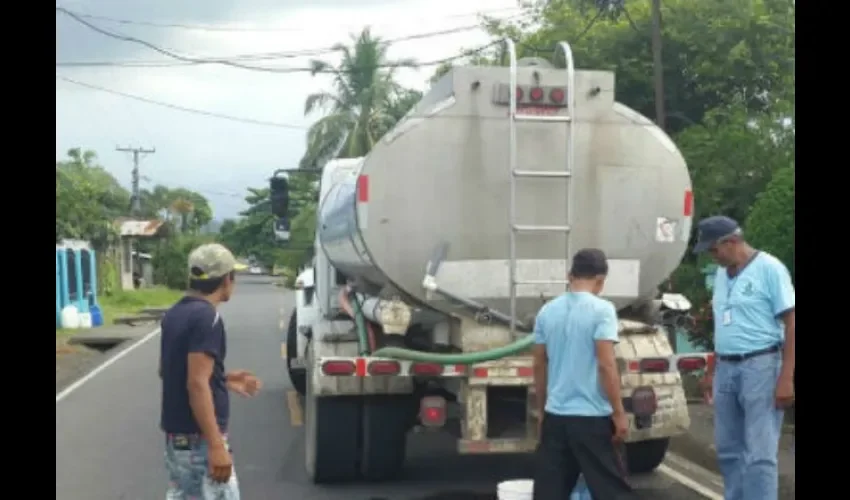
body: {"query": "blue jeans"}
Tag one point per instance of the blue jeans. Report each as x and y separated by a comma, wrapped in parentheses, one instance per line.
(188, 471)
(747, 426)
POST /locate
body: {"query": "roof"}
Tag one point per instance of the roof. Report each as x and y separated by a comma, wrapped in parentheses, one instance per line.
(139, 227)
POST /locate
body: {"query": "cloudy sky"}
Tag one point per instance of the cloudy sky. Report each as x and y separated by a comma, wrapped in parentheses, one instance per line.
(220, 158)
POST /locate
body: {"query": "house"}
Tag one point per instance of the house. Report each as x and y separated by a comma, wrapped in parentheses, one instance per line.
(125, 254)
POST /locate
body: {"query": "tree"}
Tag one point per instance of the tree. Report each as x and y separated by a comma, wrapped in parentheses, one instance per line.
(770, 224)
(361, 107)
(88, 199)
(732, 157)
(743, 57)
(188, 210)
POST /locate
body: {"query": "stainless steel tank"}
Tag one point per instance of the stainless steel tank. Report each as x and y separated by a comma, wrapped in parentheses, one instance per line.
(443, 175)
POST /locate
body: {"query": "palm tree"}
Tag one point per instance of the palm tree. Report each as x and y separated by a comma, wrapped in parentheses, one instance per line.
(363, 105)
(182, 208)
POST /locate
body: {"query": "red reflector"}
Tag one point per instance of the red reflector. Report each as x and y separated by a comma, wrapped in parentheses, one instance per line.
(691, 364)
(479, 372)
(654, 365)
(536, 94)
(689, 203)
(644, 401)
(432, 411)
(426, 369)
(525, 371)
(519, 93)
(363, 189)
(384, 368)
(338, 368)
(557, 95)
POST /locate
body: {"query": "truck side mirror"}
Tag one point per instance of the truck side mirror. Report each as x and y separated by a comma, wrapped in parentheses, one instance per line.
(279, 194)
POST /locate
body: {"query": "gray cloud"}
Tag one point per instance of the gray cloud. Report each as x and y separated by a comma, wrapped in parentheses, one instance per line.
(218, 158)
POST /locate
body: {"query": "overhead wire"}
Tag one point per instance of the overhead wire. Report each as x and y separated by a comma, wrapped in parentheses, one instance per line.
(252, 121)
(230, 60)
(242, 29)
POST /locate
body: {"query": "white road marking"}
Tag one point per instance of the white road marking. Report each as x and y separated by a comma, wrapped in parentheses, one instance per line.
(686, 466)
(689, 482)
(103, 366)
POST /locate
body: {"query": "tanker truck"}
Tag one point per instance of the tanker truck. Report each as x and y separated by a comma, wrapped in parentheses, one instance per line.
(436, 250)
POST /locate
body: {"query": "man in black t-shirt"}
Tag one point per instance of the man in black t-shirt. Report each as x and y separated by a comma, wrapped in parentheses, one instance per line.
(195, 399)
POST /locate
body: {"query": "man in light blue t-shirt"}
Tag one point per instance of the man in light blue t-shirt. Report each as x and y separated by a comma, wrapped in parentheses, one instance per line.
(752, 381)
(583, 422)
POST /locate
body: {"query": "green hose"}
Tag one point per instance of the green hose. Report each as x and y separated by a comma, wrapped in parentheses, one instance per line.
(360, 322)
(465, 358)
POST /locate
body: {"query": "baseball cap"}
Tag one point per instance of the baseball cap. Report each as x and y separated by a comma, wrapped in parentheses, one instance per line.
(211, 261)
(713, 229)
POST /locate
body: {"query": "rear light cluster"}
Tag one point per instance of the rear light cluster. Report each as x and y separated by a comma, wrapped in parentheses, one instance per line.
(432, 411)
(662, 365)
(345, 367)
(533, 95)
(644, 401)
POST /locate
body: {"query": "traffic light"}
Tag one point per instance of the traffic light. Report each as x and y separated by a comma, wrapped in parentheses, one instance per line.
(279, 194)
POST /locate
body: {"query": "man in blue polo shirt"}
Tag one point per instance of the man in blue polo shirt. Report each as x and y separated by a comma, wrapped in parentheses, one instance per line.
(752, 380)
(577, 384)
(195, 400)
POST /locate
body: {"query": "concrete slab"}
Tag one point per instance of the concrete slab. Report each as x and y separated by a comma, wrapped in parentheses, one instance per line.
(110, 334)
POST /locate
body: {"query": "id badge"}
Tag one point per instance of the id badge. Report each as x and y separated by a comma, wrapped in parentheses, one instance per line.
(727, 317)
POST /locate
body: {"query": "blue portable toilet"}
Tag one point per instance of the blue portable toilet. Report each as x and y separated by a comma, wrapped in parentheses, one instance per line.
(58, 292)
(81, 299)
(64, 294)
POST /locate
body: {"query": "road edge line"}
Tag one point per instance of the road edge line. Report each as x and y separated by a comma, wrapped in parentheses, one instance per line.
(689, 483)
(103, 366)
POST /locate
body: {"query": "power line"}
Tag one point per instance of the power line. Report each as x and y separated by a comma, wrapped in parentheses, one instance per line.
(237, 29)
(183, 108)
(222, 116)
(231, 61)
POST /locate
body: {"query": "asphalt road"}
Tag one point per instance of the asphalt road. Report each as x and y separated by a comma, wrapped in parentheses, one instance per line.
(108, 445)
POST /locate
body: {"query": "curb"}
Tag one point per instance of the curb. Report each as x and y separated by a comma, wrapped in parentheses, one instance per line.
(704, 455)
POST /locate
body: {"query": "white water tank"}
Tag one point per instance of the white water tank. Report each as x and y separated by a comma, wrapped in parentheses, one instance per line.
(70, 317)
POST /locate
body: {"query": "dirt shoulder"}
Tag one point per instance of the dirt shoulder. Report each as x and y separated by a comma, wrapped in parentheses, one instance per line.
(75, 360)
(698, 447)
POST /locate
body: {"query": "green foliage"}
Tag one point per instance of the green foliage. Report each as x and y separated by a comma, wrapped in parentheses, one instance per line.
(129, 302)
(732, 155)
(716, 53)
(88, 199)
(770, 225)
(107, 274)
(170, 259)
(363, 106)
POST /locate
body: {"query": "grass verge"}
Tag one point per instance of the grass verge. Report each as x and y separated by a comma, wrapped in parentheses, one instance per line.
(129, 302)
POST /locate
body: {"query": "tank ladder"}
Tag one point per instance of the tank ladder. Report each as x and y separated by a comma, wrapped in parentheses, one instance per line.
(517, 174)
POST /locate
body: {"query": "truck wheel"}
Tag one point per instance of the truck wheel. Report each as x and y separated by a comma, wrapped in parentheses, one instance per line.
(298, 376)
(332, 435)
(386, 420)
(645, 456)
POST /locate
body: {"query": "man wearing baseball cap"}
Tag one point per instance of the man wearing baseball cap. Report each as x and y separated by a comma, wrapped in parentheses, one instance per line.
(752, 380)
(195, 399)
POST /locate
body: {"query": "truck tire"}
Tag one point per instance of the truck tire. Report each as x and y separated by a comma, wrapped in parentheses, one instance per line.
(386, 420)
(645, 456)
(332, 434)
(298, 376)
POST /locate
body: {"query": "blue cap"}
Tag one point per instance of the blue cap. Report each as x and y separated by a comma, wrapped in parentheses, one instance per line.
(713, 229)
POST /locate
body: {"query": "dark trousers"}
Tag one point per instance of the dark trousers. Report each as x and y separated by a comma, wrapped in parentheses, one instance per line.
(570, 446)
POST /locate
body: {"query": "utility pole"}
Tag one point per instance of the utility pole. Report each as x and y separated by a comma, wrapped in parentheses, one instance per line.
(657, 64)
(136, 205)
